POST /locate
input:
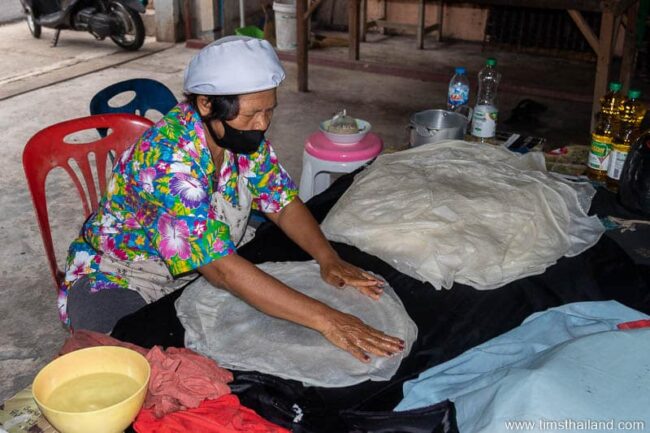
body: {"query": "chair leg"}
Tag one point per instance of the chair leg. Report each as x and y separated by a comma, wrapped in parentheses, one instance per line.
(55, 41)
(322, 181)
(306, 190)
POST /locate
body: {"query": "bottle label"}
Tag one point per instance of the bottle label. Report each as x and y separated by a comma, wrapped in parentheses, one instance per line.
(458, 95)
(599, 155)
(484, 121)
(617, 160)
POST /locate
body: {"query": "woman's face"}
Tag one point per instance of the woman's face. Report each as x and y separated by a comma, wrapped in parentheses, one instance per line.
(255, 112)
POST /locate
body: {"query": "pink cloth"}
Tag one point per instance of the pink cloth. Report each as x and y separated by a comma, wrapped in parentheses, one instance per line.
(180, 378)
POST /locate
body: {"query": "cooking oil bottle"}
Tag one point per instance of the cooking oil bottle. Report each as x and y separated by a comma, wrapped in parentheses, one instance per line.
(631, 115)
(603, 135)
(612, 102)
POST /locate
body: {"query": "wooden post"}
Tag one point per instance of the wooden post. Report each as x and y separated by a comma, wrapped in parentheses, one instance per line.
(604, 59)
(629, 46)
(353, 28)
(364, 19)
(584, 28)
(440, 17)
(420, 30)
(302, 39)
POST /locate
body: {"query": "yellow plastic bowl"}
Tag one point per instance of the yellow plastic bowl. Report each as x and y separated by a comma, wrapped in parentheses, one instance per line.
(99, 389)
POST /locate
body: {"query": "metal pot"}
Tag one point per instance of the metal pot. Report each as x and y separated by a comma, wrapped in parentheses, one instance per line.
(431, 126)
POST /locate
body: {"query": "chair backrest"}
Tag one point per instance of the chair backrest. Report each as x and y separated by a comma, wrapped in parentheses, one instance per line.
(149, 94)
(48, 149)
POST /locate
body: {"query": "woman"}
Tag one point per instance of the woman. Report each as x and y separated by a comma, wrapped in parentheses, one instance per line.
(179, 199)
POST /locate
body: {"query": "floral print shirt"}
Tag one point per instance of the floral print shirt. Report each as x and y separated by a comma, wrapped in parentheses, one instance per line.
(158, 203)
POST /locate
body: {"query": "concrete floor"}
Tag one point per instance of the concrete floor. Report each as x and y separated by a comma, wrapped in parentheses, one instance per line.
(31, 333)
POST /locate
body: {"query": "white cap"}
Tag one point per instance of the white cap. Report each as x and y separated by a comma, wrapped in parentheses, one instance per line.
(234, 65)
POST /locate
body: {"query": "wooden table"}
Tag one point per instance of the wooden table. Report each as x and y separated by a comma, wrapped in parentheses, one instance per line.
(612, 11)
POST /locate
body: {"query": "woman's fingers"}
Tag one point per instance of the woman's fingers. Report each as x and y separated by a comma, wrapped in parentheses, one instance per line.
(346, 274)
(379, 346)
(373, 292)
(358, 353)
(357, 338)
(379, 340)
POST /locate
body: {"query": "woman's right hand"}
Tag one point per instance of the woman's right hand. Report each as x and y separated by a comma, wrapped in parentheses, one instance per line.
(352, 335)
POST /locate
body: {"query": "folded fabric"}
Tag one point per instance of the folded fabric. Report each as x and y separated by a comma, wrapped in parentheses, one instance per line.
(474, 214)
(238, 336)
(180, 378)
(224, 415)
(567, 363)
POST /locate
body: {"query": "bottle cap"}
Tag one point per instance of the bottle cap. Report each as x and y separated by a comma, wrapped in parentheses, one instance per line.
(491, 61)
(460, 70)
(634, 94)
(615, 86)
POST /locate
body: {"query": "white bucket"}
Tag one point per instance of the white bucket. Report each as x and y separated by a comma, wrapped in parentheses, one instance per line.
(285, 25)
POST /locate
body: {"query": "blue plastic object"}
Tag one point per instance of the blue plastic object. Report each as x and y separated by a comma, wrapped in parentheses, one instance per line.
(149, 95)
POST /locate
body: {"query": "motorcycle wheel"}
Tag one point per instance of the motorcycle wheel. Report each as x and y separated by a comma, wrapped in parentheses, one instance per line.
(132, 37)
(34, 28)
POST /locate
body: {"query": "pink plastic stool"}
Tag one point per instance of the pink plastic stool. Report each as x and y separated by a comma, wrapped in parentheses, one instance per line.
(322, 157)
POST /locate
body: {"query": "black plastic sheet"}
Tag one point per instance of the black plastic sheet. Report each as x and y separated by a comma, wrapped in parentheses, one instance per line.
(449, 323)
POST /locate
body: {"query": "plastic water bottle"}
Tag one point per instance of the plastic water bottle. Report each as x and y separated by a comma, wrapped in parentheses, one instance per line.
(484, 119)
(458, 94)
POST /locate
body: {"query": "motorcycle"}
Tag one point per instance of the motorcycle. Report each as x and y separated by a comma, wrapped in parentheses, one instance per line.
(117, 19)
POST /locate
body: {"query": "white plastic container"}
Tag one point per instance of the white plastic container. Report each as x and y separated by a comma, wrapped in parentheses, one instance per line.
(285, 25)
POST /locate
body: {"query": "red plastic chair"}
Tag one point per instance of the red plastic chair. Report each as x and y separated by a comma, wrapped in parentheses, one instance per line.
(47, 149)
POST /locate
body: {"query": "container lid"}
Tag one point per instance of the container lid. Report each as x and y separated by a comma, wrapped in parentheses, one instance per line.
(615, 86)
(634, 94)
(460, 70)
(287, 7)
(491, 61)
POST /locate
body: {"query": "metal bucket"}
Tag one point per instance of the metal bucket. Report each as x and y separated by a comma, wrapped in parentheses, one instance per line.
(431, 126)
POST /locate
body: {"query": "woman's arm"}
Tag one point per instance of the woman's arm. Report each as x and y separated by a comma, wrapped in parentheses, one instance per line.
(270, 296)
(299, 224)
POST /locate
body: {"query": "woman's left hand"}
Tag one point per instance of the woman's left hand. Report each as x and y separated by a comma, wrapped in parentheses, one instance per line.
(340, 273)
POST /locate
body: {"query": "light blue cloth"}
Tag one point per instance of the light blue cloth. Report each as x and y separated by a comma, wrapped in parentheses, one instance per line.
(565, 365)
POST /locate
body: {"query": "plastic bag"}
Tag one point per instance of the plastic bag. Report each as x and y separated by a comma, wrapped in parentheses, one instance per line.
(634, 185)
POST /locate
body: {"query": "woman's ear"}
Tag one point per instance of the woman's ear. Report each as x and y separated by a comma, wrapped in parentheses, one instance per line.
(203, 105)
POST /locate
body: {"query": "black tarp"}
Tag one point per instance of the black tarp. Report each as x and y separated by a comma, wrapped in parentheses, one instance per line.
(449, 323)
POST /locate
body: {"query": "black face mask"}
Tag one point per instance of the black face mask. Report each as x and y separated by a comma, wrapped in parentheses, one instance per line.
(235, 140)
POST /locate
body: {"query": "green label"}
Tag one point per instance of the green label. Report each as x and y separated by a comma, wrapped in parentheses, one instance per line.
(599, 155)
(600, 149)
